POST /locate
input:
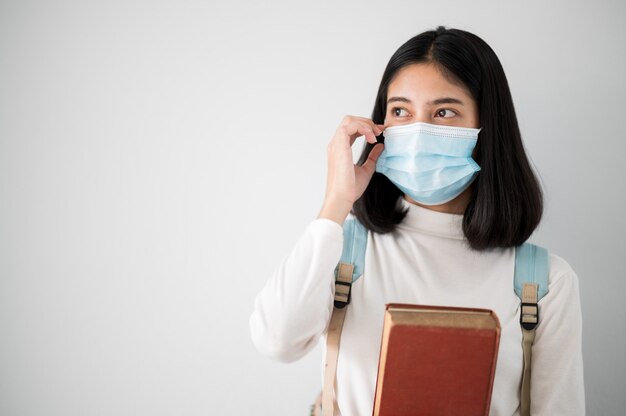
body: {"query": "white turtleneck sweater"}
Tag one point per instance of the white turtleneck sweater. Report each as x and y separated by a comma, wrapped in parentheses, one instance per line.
(427, 261)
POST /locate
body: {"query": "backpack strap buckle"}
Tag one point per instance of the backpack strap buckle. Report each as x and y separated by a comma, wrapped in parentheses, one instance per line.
(343, 285)
(529, 316)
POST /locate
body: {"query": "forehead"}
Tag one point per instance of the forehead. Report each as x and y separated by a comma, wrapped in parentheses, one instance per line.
(423, 82)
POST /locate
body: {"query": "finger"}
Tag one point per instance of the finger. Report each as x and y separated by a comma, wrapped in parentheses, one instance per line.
(375, 131)
(355, 127)
(370, 134)
(349, 121)
(358, 129)
(376, 128)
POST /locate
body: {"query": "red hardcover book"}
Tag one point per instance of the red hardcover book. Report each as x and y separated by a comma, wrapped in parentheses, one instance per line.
(436, 361)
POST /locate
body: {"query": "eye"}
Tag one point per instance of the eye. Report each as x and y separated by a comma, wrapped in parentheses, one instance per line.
(396, 111)
(445, 113)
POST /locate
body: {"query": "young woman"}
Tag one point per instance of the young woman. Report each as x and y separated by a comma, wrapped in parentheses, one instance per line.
(442, 230)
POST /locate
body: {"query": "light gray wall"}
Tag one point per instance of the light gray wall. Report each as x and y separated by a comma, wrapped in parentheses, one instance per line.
(158, 160)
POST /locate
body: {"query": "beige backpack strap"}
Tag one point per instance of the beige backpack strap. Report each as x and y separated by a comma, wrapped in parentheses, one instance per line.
(529, 318)
(343, 286)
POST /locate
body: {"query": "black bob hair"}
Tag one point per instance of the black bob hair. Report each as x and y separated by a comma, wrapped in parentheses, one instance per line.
(506, 201)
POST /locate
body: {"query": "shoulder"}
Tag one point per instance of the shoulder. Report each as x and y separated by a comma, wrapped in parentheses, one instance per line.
(561, 312)
(326, 228)
(560, 269)
(562, 278)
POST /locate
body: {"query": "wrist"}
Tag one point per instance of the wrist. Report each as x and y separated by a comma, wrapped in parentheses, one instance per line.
(336, 211)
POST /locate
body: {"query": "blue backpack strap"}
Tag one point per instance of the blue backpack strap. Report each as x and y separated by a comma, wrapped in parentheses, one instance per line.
(350, 266)
(354, 245)
(531, 266)
(532, 271)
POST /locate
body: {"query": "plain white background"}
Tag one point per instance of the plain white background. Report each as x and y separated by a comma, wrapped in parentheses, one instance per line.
(158, 159)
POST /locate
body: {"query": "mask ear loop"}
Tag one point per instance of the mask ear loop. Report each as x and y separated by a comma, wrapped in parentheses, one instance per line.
(473, 155)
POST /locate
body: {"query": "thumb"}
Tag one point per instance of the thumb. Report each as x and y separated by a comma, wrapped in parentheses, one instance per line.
(370, 163)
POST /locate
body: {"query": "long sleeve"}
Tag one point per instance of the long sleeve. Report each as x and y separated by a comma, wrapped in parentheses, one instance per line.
(557, 386)
(294, 307)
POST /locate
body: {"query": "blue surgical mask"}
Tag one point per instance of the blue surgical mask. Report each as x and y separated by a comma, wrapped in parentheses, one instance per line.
(430, 163)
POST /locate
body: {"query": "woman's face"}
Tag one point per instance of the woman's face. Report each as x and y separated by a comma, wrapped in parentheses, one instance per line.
(420, 92)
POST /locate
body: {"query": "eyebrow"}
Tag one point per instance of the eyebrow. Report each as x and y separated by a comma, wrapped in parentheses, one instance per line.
(442, 100)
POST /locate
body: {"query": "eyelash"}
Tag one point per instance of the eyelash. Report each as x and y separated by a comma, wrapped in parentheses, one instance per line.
(393, 109)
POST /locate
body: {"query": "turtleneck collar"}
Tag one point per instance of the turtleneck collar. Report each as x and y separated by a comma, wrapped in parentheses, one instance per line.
(432, 222)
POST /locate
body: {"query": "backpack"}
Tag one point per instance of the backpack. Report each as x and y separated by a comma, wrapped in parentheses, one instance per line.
(530, 284)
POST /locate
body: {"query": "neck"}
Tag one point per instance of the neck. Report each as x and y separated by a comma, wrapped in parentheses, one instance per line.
(456, 206)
